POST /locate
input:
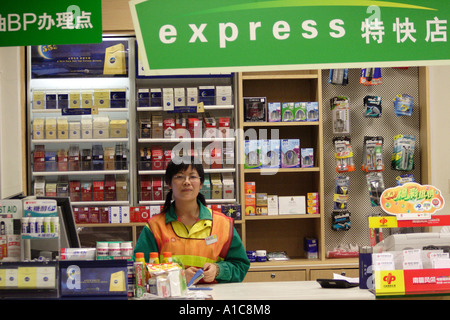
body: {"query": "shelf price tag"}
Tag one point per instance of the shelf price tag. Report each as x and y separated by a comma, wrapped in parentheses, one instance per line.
(200, 107)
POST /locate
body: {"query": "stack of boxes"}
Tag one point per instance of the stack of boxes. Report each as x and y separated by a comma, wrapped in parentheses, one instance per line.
(312, 203)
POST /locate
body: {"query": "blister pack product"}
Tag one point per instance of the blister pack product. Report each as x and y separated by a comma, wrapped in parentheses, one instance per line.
(372, 106)
(403, 105)
(344, 154)
(375, 184)
(404, 178)
(340, 108)
(340, 220)
(403, 152)
(372, 154)
(338, 76)
(370, 76)
(340, 198)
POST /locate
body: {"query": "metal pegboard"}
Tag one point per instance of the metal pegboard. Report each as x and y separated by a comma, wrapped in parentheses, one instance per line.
(394, 81)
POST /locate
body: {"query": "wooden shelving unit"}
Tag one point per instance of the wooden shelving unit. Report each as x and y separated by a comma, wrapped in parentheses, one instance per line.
(284, 232)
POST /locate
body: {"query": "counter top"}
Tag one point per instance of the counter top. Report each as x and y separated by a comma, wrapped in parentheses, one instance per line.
(285, 290)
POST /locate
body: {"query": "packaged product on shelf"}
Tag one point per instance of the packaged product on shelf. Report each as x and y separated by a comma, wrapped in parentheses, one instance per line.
(340, 220)
(255, 109)
(210, 127)
(109, 158)
(50, 100)
(110, 188)
(270, 153)
(143, 98)
(157, 188)
(157, 126)
(340, 108)
(370, 76)
(404, 178)
(338, 77)
(121, 188)
(291, 205)
(118, 98)
(169, 128)
(50, 128)
(50, 189)
(74, 99)
(62, 158)
(50, 161)
(98, 190)
(63, 100)
(228, 185)
(74, 130)
(403, 105)
(307, 157)
(287, 111)
(228, 156)
(180, 127)
(62, 189)
(145, 159)
(118, 128)
(312, 203)
(97, 157)
(373, 154)
(38, 128)
(216, 186)
(252, 151)
(343, 153)
(340, 198)
(86, 159)
(216, 158)
(145, 128)
(206, 188)
(100, 127)
(86, 128)
(207, 94)
(194, 127)
(375, 184)
(224, 127)
(39, 158)
(120, 154)
(167, 157)
(274, 111)
(63, 128)
(232, 211)
(38, 100)
(290, 153)
(94, 215)
(372, 106)
(311, 248)
(250, 204)
(155, 97)
(86, 191)
(168, 99)
(300, 111)
(250, 187)
(86, 98)
(312, 111)
(39, 187)
(224, 95)
(75, 191)
(191, 96)
(261, 204)
(403, 152)
(179, 97)
(157, 157)
(146, 188)
(101, 98)
(272, 205)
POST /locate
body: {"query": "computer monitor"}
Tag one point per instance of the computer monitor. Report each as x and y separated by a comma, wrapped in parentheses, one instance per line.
(68, 231)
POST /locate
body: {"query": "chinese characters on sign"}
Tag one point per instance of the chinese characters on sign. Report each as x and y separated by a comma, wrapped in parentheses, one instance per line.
(436, 30)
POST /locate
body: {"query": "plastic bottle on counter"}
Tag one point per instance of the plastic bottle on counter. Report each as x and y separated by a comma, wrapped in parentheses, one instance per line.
(167, 257)
(154, 258)
(139, 257)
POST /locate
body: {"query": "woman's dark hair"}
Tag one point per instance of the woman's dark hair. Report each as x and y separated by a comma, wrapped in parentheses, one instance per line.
(180, 165)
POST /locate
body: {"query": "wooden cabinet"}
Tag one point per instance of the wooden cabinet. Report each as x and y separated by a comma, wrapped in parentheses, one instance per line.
(264, 276)
(283, 232)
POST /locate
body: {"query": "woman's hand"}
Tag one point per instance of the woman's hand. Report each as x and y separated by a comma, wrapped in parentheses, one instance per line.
(209, 271)
(189, 273)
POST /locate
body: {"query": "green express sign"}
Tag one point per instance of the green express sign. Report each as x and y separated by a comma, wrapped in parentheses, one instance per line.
(24, 23)
(198, 36)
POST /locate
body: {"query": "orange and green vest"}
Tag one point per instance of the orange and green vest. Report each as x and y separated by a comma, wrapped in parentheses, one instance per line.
(208, 240)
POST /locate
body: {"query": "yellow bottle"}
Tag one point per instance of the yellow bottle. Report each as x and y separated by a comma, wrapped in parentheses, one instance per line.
(167, 257)
(154, 259)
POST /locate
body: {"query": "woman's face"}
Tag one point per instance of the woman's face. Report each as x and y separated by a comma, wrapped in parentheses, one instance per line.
(186, 185)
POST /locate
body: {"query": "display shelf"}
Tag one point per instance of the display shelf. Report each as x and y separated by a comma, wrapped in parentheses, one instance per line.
(206, 108)
(100, 203)
(208, 201)
(99, 110)
(78, 173)
(283, 232)
(65, 141)
(162, 172)
(186, 140)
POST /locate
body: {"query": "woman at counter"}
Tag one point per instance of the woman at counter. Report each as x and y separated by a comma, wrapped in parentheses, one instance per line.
(197, 236)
